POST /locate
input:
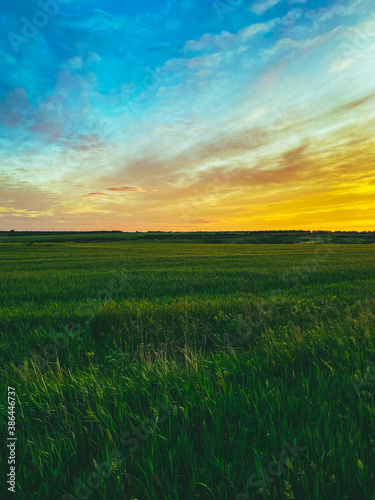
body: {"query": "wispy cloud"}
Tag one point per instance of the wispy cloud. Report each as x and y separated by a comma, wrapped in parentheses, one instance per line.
(262, 6)
(126, 188)
(203, 221)
(95, 194)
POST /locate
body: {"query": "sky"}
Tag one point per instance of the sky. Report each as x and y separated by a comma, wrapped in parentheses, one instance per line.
(187, 115)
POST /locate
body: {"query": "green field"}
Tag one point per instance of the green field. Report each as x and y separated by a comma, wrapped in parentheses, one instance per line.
(247, 237)
(179, 371)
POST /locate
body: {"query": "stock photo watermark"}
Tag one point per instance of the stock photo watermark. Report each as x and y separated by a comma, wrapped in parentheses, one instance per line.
(266, 308)
(279, 118)
(30, 26)
(11, 440)
(367, 379)
(60, 341)
(106, 127)
(358, 39)
(266, 476)
(132, 439)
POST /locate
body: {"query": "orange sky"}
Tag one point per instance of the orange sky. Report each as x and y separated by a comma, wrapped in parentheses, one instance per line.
(271, 126)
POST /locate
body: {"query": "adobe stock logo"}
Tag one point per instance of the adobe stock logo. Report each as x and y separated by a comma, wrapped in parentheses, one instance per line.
(30, 27)
(275, 469)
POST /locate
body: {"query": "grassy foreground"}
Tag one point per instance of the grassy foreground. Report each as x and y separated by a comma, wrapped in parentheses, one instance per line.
(183, 371)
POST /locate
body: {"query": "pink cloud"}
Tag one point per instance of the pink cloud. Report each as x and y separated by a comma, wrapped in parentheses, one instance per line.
(53, 130)
(125, 188)
(95, 194)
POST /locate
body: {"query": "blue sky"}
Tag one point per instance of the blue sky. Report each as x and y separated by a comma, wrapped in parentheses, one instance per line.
(186, 115)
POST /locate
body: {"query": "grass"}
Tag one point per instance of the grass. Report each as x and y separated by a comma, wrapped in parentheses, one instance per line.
(187, 368)
(252, 237)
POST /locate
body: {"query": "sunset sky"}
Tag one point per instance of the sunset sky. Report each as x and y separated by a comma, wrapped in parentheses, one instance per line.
(187, 115)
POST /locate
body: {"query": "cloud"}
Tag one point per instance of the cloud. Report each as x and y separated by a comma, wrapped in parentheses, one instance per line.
(353, 105)
(335, 10)
(126, 188)
(21, 197)
(202, 221)
(262, 6)
(342, 64)
(304, 46)
(95, 194)
(15, 108)
(226, 39)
